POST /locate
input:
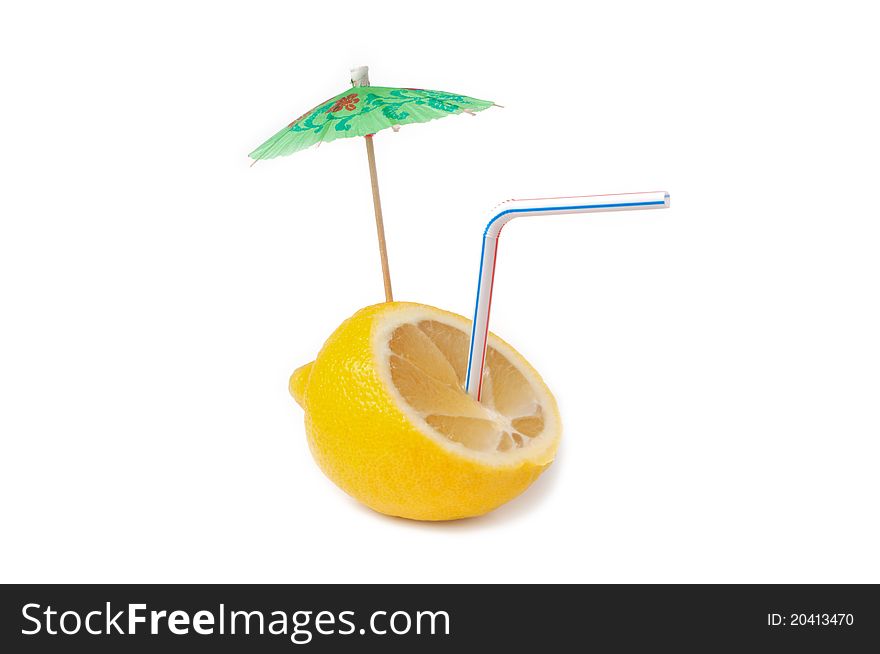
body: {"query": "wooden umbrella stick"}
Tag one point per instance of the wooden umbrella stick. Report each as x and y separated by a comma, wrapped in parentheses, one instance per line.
(380, 226)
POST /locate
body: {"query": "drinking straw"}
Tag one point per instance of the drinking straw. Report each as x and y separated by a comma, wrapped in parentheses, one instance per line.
(503, 214)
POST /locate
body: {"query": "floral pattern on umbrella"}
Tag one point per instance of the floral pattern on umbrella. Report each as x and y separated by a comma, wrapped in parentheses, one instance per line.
(365, 110)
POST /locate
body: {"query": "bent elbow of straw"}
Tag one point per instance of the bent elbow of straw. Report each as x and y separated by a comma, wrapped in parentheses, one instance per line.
(500, 216)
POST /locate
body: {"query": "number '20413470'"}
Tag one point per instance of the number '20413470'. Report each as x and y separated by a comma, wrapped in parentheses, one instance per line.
(810, 620)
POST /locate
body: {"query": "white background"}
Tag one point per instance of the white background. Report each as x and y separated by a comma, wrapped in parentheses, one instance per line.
(717, 364)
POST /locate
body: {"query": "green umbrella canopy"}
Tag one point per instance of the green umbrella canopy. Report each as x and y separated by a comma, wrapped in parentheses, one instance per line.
(365, 110)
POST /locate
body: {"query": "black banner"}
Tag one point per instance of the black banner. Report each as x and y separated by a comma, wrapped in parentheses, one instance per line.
(435, 618)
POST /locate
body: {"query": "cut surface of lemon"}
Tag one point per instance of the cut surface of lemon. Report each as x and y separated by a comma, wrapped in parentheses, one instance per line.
(389, 421)
(425, 360)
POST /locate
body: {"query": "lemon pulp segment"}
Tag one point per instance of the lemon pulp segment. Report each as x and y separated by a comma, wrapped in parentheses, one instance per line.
(428, 362)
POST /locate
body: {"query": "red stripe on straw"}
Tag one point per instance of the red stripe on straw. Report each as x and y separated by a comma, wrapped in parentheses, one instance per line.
(488, 313)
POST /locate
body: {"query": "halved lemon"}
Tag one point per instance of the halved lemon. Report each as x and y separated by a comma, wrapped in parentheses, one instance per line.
(389, 421)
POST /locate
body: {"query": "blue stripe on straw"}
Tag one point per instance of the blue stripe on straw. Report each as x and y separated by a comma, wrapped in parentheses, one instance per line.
(467, 383)
(583, 206)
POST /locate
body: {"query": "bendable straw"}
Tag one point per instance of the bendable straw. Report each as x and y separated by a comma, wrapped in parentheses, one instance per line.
(502, 215)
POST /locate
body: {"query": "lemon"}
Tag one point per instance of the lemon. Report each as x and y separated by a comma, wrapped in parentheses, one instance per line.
(388, 419)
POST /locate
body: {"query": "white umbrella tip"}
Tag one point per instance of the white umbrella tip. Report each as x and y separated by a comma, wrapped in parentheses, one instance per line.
(360, 76)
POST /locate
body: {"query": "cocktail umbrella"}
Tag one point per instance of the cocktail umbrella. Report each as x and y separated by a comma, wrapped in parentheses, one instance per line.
(363, 111)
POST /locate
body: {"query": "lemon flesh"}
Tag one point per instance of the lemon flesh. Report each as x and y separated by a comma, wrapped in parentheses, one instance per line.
(388, 419)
